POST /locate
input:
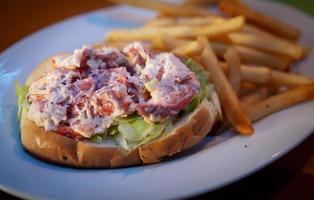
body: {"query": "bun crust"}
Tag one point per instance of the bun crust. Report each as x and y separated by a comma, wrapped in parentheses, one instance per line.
(53, 147)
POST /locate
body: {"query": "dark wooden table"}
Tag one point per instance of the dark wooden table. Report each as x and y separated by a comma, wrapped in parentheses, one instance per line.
(290, 177)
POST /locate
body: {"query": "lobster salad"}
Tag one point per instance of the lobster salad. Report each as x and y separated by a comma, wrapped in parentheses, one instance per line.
(131, 94)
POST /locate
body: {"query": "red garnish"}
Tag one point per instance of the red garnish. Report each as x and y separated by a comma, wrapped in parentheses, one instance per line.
(85, 84)
(104, 107)
(69, 132)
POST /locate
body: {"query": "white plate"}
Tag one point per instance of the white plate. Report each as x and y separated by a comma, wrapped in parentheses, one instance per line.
(212, 164)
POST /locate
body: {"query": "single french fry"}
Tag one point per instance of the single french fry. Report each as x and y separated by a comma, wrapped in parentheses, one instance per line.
(150, 33)
(232, 107)
(250, 98)
(191, 21)
(168, 42)
(256, 96)
(273, 45)
(253, 56)
(247, 88)
(257, 75)
(234, 63)
(188, 49)
(167, 8)
(280, 101)
(264, 21)
(201, 2)
(289, 80)
(250, 29)
(159, 22)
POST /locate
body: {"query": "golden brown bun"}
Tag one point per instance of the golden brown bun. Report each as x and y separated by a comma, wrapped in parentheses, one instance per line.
(56, 148)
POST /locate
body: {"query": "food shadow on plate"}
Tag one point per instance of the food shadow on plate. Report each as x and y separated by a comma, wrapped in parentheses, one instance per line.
(206, 143)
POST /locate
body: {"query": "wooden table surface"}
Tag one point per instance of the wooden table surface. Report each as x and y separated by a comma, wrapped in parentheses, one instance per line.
(290, 177)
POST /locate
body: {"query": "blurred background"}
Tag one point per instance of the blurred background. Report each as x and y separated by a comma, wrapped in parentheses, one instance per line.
(19, 18)
(291, 177)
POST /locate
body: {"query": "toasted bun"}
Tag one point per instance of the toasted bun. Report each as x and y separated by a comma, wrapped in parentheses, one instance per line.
(53, 147)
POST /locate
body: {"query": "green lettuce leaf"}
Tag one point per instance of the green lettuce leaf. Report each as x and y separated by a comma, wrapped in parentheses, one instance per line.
(98, 138)
(21, 91)
(136, 131)
(205, 88)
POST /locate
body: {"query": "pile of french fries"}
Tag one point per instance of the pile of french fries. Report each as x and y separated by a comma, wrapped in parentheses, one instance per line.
(248, 54)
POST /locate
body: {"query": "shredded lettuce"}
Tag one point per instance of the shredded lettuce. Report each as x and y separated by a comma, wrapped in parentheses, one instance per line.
(129, 119)
(136, 131)
(205, 88)
(98, 138)
(132, 131)
(21, 91)
(121, 140)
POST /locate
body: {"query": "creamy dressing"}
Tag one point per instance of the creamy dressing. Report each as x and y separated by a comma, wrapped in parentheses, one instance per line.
(89, 89)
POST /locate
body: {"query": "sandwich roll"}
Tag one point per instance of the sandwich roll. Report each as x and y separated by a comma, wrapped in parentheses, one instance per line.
(106, 107)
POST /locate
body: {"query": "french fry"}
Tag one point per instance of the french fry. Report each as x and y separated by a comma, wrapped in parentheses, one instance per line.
(181, 47)
(264, 21)
(266, 43)
(250, 29)
(250, 98)
(232, 107)
(219, 48)
(212, 30)
(258, 105)
(253, 56)
(247, 88)
(201, 2)
(257, 75)
(191, 21)
(264, 75)
(272, 45)
(188, 49)
(256, 96)
(234, 63)
(159, 22)
(280, 101)
(246, 54)
(168, 42)
(167, 8)
(289, 80)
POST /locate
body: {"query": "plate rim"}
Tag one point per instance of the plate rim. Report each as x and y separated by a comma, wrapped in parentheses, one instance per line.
(191, 194)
